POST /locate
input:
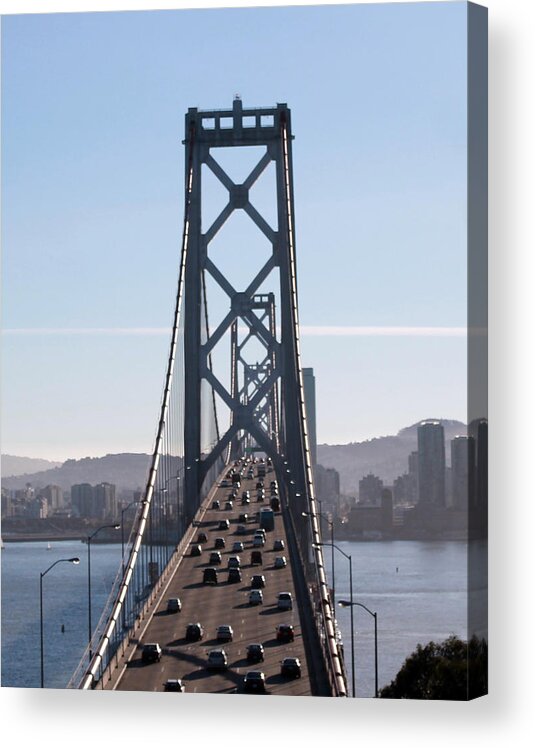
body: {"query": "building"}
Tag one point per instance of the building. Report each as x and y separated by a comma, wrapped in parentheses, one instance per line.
(309, 384)
(463, 460)
(327, 484)
(82, 499)
(431, 464)
(105, 501)
(370, 489)
(365, 521)
(54, 495)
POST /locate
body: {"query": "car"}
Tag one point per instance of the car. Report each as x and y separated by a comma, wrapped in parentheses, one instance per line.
(280, 562)
(194, 632)
(151, 652)
(174, 605)
(224, 483)
(260, 484)
(215, 504)
(260, 496)
(234, 562)
(254, 682)
(275, 504)
(237, 547)
(243, 518)
(223, 525)
(291, 667)
(196, 550)
(256, 558)
(209, 576)
(260, 531)
(273, 484)
(255, 653)
(202, 537)
(250, 474)
(245, 501)
(229, 505)
(241, 530)
(278, 545)
(285, 632)
(217, 659)
(224, 633)
(246, 495)
(215, 557)
(284, 601)
(219, 543)
(234, 575)
(258, 581)
(258, 541)
(256, 597)
(174, 684)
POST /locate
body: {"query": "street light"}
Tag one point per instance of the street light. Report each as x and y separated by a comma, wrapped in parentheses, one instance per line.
(331, 524)
(345, 604)
(351, 596)
(89, 539)
(42, 574)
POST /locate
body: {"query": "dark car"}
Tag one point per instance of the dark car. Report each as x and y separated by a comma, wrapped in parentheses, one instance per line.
(229, 505)
(224, 524)
(209, 576)
(151, 653)
(234, 575)
(224, 633)
(243, 518)
(202, 537)
(275, 504)
(215, 557)
(255, 653)
(217, 660)
(254, 682)
(174, 605)
(174, 684)
(241, 530)
(256, 558)
(285, 632)
(215, 504)
(291, 667)
(196, 550)
(219, 543)
(194, 632)
(258, 581)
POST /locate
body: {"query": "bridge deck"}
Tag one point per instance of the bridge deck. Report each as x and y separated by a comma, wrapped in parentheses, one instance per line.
(224, 603)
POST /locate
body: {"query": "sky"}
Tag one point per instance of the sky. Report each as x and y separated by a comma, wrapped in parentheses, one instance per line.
(93, 111)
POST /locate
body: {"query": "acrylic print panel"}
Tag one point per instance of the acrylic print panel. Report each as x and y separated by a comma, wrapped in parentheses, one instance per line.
(300, 508)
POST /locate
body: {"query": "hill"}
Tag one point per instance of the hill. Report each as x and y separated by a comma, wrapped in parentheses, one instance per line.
(127, 471)
(385, 456)
(12, 465)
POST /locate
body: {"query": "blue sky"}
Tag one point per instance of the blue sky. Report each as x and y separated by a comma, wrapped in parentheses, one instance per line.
(92, 199)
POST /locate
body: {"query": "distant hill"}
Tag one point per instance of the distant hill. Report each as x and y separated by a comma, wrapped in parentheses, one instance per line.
(126, 471)
(385, 456)
(12, 465)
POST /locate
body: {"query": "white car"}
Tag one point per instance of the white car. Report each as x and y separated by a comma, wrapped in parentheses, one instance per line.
(256, 597)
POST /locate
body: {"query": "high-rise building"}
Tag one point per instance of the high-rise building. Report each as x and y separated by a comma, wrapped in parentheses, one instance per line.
(54, 496)
(431, 463)
(309, 384)
(82, 499)
(463, 456)
(104, 500)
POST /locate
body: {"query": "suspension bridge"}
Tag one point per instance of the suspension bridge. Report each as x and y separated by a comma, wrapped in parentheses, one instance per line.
(232, 452)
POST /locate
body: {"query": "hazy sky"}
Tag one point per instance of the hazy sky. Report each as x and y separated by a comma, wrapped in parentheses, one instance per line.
(92, 197)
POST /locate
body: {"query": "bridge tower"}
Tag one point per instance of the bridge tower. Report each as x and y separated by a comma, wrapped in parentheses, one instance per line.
(267, 406)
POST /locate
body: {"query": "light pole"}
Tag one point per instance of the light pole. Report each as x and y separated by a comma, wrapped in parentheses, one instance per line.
(351, 596)
(331, 524)
(345, 604)
(89, 539)
(42, 574)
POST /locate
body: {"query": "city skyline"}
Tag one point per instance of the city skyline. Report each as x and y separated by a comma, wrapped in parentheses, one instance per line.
(92, 124)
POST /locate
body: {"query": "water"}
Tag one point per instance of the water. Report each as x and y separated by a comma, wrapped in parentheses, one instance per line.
(425, 599)
(65, 602)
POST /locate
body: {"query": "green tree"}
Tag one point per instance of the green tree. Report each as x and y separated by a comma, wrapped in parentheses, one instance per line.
(452, 670)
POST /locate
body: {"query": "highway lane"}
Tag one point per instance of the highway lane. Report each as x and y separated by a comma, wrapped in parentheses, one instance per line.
(224, 603)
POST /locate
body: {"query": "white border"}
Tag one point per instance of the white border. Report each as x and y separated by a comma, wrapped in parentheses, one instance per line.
(505, 717)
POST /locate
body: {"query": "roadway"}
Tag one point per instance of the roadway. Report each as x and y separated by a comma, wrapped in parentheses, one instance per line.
(224, 603)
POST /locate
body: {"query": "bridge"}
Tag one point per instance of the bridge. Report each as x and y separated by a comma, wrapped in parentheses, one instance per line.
(232, 453)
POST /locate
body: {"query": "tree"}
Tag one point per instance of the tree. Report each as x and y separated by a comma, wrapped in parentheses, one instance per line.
(451, 670)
